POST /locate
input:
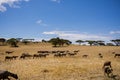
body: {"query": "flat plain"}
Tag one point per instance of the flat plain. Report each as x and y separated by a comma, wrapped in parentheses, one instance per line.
(60, 68)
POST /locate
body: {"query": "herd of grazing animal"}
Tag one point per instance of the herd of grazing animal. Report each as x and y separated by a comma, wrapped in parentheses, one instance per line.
(43, 54)
(107, 68)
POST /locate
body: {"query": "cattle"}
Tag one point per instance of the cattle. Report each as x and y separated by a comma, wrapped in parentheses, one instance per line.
(6, 74)
(117, 54)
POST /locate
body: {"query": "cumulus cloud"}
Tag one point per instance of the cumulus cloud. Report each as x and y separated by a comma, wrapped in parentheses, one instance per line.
(40, 22)
(73, 35)
(115, 32)
(10, 3)
(57, 1)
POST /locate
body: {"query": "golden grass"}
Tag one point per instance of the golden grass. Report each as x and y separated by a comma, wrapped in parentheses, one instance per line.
(65, 68)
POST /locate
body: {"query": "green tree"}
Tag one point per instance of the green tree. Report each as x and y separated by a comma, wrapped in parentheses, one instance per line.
(54, 41)
(2, 40)
(100, 42)
(91, 42)
(13, 42)
(59, 42)
(116, 41)
(79, 41)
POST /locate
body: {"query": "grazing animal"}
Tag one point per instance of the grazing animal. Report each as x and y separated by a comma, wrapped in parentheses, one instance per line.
(10, 57)
(24, 55)
(108, 71)
(14, 57)
(100, 55)
(6, 74)
(72, 53)
(117, 55)
(59, 54)
(36, 56)
(85, 56)
(9, 52)
(107, 64)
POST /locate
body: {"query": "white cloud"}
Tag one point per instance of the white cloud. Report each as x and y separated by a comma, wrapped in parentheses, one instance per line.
(10, 3)
(115, 32)
(57, 1)
(40, 22)
(73, 35)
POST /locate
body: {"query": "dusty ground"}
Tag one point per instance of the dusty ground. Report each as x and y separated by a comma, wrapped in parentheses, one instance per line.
(65, 68)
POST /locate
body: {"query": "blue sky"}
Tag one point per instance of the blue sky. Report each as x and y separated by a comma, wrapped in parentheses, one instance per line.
(68, 19)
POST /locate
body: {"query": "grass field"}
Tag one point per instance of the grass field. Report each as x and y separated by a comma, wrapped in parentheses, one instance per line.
(60, 68)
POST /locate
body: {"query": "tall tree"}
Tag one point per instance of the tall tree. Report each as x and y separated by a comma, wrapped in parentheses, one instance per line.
(91, 42)
(100, 42)
(59, 42)
(2, 40)
(116, 41)
(79, 41)
(13, 42)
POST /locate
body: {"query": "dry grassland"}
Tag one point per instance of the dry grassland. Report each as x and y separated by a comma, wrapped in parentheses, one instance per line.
(64, 68)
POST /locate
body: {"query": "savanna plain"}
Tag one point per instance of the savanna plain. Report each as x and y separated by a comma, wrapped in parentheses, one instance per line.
(68, 67)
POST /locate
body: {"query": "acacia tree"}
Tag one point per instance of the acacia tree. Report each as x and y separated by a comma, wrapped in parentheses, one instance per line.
(2, 40)
(100, 42)
(59, 42)
(116, 41)
(54, 41)
(79, 41)
(13, 42)
(91, 42)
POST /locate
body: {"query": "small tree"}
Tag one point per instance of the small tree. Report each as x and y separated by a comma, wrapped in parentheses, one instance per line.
(116, 41)
(13, 42)
(91, 42)
(54, 41)
(44, 40)
(59, 42)
(79, 41)
(110, 44)
(100, 42)
(25, 42)
(2, 40)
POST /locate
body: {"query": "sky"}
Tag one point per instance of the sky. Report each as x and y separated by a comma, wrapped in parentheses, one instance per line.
(67, 19)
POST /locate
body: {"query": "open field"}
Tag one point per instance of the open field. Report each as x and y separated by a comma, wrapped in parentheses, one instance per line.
(60, 68)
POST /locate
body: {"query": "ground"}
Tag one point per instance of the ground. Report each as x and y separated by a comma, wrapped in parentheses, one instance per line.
(64, 68)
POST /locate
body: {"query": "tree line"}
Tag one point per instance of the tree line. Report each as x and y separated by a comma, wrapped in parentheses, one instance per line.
(57, 42)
